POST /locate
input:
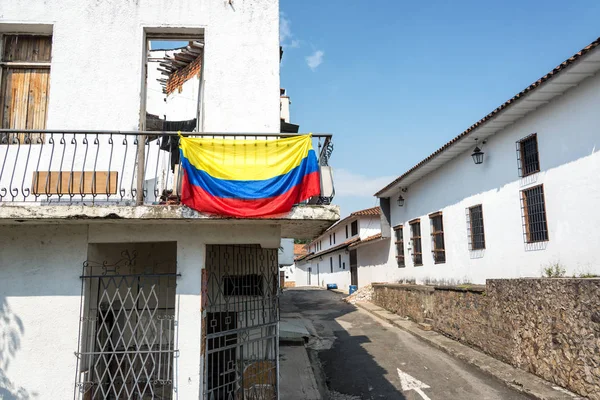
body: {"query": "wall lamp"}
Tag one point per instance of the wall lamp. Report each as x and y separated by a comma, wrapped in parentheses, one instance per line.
(400, 201)
(477, 153)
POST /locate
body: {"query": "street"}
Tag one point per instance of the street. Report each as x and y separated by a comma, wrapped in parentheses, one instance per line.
(365, 358)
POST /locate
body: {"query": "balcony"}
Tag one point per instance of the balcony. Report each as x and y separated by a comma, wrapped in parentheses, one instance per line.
(91, 176)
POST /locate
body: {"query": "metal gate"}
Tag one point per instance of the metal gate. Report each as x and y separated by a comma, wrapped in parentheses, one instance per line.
(242, 314)
(126, 337)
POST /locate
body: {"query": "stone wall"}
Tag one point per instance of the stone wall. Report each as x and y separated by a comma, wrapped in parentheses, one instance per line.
(549, 327)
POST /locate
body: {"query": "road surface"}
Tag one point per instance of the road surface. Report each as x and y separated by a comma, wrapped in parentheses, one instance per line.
(366, 358)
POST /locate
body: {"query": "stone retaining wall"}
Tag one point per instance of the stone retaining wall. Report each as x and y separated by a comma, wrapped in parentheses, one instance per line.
(549, 327)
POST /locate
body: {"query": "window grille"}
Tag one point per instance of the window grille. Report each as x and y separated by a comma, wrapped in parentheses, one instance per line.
(475, 230)
(399, 246)
(533, 212)
(437, 238)
(243, 285)
(415, 230)
(528, 159)
(354, 228)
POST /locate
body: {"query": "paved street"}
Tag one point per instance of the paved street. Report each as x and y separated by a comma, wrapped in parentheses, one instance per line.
(364, 358)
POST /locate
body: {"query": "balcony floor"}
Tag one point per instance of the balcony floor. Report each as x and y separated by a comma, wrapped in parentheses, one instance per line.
(305, 221)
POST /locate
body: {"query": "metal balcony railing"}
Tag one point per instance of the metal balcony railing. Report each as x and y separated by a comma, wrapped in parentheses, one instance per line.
(99, 167)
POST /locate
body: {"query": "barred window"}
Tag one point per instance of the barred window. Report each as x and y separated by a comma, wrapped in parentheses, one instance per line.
(437, 238)
(415, 232)
(533, 212)
(354, 228)
(399, 246)
(475, 227)
(528, 155)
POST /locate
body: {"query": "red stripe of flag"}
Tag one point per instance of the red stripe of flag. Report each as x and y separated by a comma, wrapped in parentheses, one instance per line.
(197, 198)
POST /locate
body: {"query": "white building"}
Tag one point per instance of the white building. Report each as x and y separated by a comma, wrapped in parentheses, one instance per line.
(351, 252)
(527, 206)
(102, 290)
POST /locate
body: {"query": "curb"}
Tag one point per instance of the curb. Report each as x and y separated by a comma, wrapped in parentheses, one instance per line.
(519, 380)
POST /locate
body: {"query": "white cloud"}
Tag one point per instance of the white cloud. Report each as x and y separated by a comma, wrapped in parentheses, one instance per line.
(315, 59)
(350, 184)
(285, 28)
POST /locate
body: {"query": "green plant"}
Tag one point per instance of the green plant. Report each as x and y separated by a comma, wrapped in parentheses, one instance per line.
(554, 270)
(588, 275)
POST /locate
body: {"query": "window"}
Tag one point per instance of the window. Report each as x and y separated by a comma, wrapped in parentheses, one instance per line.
(346, 231)
(333, 237)
(331, 264)
(330, 240)
(415, 232)
(25, 68)
(354, 228)
(533, 211)
(475, 228)
(343, 265)
(399, 246)
(339, 261)
(528, 156)
(243, 285)
(437, 238)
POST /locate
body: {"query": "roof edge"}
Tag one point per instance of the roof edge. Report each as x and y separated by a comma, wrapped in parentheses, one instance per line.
(561, 67)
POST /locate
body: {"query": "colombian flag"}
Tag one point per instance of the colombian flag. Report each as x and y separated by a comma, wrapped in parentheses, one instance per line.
(248, 178)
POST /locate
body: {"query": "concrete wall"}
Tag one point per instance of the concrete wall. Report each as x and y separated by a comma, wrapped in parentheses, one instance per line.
(568, 139)
(98, 53)
(40, 296)
(549, 327)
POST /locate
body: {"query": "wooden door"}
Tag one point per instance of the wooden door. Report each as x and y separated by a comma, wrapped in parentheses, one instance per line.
(353, 268)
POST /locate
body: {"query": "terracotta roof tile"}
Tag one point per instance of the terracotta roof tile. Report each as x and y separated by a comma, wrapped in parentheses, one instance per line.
(300, 249)
(367, 211)
(367, 240)
(564, 65)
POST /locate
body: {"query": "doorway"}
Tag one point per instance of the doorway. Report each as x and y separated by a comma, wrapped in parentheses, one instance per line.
(353, 268)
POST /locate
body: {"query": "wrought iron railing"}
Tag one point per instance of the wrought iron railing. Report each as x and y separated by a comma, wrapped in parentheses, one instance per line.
(96, 167)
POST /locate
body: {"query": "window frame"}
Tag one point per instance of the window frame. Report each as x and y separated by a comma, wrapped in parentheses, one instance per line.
(471, 230)
(413, 239)
(353, 225)
(399, 244)
(435, 251)
(521, 156)
(525, 216)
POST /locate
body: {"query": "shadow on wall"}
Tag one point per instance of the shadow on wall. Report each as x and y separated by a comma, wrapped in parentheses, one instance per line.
(11, 330)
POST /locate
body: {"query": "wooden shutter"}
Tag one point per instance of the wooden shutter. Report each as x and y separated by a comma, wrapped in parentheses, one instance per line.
(25, 83)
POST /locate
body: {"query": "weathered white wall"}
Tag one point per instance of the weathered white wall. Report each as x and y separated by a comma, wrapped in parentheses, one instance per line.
(183, 106)
(321, 271)
(40, 294)
(98, 51)
(368, 226)
(568, 140)
(372, 263)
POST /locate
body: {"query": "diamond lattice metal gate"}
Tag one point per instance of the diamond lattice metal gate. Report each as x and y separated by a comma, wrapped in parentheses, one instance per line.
(126, 337)
(241, 322)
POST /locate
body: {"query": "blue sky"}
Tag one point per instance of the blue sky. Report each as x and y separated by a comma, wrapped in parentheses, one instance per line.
(394, 80)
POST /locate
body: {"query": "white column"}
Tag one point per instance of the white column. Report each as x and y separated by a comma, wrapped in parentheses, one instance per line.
(188, 366)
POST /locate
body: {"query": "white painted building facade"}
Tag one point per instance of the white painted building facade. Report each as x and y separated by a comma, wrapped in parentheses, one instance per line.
(97, 75)
(541, 163)
(349, 253)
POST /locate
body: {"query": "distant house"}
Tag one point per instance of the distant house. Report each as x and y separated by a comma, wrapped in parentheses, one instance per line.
(515, 193)
(288, 272)
(352, 252)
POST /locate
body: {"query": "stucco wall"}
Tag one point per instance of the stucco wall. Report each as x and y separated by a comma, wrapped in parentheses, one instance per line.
(98, 52)
(549, 327)
(568, 139)
(372, 263)
(40, 294)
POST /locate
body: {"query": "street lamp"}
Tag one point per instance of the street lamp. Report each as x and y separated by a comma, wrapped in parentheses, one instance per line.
(400, 201)
(477, 154)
